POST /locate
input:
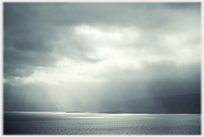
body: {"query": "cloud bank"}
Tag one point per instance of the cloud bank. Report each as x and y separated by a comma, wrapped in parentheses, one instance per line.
(70, 56)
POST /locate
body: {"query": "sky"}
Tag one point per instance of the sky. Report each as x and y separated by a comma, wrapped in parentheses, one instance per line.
(80, 56)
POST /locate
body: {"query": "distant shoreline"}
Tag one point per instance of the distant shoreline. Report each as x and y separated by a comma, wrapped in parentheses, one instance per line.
(108, 112)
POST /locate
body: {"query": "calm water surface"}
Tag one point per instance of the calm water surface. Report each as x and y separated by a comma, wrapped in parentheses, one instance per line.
(100, 123)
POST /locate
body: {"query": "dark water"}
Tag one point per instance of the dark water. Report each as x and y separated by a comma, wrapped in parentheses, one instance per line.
(99, 123)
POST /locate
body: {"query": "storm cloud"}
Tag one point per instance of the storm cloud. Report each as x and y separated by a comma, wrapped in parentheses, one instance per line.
(86, 56)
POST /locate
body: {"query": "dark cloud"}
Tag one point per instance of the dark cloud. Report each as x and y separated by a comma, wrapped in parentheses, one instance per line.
(165, 44)
(184, 6)
(25, 46)
(21, 63)
(30, 26)
(27, 32)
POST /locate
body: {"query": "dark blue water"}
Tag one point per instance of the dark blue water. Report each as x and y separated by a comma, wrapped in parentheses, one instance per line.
(100, 123)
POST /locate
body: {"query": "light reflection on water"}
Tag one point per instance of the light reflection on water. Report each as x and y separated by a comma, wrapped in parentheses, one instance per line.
(88, 117)
(100, 123)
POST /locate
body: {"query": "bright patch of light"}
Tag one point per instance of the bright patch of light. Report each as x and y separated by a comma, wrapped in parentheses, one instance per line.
(88, 117)
(112, 37)
(117, 48)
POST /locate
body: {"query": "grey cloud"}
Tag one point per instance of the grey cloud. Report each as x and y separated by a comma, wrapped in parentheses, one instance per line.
(71, 45)
(26, 39)
(152, 71)
(31, 40)
(31, 27)
(184, 5)
(21, 63)
(107, 96)
(25, 46)
(71, 14)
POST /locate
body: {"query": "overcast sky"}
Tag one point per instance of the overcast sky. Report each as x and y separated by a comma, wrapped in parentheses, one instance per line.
(79, 53)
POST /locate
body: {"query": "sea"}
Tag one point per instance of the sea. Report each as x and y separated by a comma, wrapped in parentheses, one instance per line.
(62, 123)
